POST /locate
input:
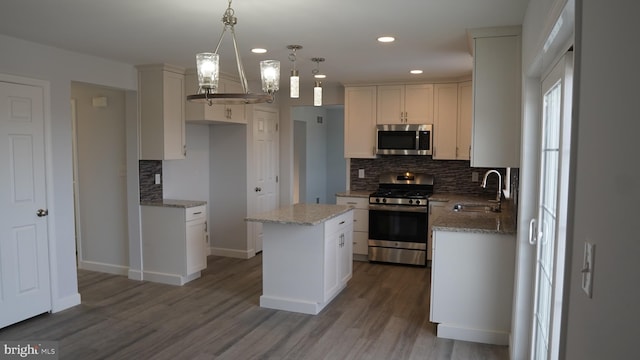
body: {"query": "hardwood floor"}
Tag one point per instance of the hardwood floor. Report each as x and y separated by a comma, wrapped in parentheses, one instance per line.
(382, 314)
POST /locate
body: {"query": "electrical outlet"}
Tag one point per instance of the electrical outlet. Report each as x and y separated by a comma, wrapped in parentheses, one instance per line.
(158, 181)
(587, 268)
(475, 176)
(361, 173)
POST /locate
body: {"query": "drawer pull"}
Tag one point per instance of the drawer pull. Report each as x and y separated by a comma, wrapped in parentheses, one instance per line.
(352, 202)
(197, 213)
(341, 222)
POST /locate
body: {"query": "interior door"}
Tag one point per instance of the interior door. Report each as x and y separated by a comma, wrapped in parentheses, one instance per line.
(548, 230)
(24, 254)
(265, 157)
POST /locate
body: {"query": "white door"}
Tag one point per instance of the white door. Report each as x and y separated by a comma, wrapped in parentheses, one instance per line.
(548, 230)
(265, 162)
(24, 254)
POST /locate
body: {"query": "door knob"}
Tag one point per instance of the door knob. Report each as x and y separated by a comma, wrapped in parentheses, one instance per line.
(42, 212)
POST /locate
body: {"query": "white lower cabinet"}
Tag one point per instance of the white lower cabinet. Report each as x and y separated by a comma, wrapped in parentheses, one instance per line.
(305, 266)
(174, 241)
(360, 224)
(435, 209)
(472, 285)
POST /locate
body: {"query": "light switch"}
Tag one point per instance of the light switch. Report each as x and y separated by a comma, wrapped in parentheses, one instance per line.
(474, 176)
(587, 268)
(361, 173)
(157, 179)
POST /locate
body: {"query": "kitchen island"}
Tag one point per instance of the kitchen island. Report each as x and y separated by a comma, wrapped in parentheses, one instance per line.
(306, 255)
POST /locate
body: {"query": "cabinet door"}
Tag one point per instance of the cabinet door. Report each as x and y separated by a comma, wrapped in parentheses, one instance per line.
(174, 127)
(418, 104)
(331, 264)
(196, 246)
(360, 122)
(496, 102)
(465, 114)
(345, 249)
(390, 104)
(446, 121)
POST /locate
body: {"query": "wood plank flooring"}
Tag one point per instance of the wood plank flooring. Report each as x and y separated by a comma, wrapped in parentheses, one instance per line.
(382, 314)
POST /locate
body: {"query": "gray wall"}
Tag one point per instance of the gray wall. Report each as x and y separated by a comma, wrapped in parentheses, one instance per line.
(336, 163)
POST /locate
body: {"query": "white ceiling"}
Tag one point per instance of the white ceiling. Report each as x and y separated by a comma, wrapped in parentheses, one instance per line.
(430, 34)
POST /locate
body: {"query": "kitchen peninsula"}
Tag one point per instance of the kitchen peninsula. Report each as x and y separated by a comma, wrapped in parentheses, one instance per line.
(306, 256)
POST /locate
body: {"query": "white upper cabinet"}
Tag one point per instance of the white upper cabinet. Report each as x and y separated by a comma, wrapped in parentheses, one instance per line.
(496, 97)
(161, 101)
(452, 121)
(405, 104)
(360, 122)
(217, 113)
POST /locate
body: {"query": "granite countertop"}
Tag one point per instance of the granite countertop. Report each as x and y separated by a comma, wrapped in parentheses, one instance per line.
(445, 219)
(174, 203)
(301, 214)
(355, 193)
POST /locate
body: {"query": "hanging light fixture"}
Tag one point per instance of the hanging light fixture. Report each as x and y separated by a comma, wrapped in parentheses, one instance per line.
(295, 78)
(208, 67)
(317, 88)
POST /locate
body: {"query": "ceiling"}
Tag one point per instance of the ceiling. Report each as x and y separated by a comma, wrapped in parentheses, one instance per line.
(430, 34)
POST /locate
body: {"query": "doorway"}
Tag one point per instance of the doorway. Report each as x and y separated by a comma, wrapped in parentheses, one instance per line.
(100, 178)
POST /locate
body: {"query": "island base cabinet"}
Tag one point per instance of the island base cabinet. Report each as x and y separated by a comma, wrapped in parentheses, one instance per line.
(305, 267)
(472, 286)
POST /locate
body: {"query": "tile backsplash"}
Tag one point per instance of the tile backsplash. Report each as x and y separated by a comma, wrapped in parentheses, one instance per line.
(450, 176)
(149, 190)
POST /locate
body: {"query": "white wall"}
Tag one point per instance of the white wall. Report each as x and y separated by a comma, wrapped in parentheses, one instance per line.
(607, 183)
(188, 179)
(101, 160)
(59, 68)
(336, 163)
(333, 94)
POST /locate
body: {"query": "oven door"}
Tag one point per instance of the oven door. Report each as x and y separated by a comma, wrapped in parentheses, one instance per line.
(398, 226)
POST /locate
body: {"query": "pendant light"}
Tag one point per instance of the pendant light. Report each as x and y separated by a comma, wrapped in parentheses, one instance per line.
(295, 78)
(208, 67)
(317, 88)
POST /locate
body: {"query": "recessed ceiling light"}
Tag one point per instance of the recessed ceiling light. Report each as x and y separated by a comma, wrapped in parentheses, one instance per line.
(386, 39)
(416, 71)
(258, 51)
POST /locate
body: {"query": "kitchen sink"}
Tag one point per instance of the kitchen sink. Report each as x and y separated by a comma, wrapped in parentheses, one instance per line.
(474, 208)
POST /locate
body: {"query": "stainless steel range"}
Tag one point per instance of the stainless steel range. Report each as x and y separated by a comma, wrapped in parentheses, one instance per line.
(399, 217)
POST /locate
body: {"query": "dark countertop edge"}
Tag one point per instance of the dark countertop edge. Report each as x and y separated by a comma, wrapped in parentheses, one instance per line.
(174, 203)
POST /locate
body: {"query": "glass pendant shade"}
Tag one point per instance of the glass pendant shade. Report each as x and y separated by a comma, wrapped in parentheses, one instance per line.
(295, 84)
(270, 73)
(317, 94)
(208, 70)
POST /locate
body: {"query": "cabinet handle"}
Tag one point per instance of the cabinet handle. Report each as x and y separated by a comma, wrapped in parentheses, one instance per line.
(206, 227)
(197, 213)
(352, 203)
(341, 222)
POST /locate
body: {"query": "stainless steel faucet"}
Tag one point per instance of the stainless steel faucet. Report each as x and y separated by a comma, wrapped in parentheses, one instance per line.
(499, 194)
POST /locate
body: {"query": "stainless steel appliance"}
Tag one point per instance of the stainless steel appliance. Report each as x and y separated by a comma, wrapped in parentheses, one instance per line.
(399, 218)
(407, 139)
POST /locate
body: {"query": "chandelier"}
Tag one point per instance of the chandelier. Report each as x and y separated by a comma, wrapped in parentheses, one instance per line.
(208, 67)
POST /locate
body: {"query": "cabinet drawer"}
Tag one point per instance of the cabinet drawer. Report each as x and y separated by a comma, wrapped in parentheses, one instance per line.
(357, 202)
(195, 213)
(338, 223)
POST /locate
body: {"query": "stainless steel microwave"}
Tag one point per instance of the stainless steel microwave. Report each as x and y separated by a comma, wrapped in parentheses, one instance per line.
(405, 139)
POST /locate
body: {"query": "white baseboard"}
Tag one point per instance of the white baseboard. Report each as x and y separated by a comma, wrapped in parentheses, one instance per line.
(102, 267)
(234, 253)
(65, 302)
(170, 279)
(135, 275)
(475, 335)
